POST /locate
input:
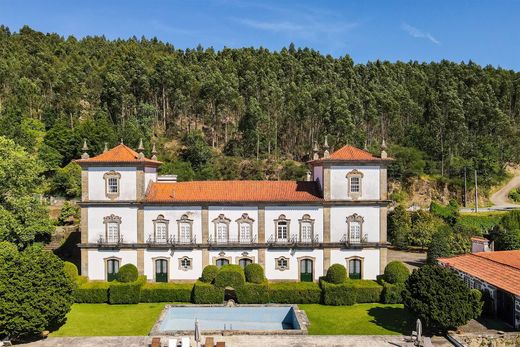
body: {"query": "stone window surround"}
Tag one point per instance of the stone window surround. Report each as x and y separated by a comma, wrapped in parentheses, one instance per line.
(160, 219)
(112, 219)
(277, 266)
(222, 255)
(182, 268)
(105, 261)
(184, 219)
(155, 266)
(247, 220)
(355, 218)
(240, 257)
(313, 259)
(356, 257)
(221, 219)
(307, 219)
(351, 174)
(112, 174)
(282, 218)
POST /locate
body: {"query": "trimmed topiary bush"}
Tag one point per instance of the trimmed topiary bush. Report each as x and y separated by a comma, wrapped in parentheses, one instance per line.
(124, 292)
(230, 276)
(252, 293)
(336, 274)
(209, 273)
(294, 293)
(127, 273)
(366, 290)
(338, 294)
(166, 292)
(206, 293)
(71, 270)
(91, 293)
(254, 273)
(392, 293)
(396, 272)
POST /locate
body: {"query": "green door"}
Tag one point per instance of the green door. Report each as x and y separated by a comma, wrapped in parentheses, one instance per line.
(161, 270)
(354, 269)
(112, 269)
(306, 274)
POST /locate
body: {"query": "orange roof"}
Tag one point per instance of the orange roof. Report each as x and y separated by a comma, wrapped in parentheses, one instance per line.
(500, 269)
(118, 154)
(230, 191)
(351, 153)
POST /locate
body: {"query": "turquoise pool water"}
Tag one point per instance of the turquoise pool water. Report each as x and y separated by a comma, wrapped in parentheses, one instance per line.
(230, 318)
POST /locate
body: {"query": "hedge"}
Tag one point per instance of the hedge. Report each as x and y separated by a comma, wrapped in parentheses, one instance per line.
(209, 273)
(254, 273)
(336, 274)
(366, 290)
(392, 293)
(126, 293)
(205, 293)
(166, 292)
(338, 294)
(252, 293)
(127, 273)
(230, 276)
(71, 270)
(91, 293)
(294, 293)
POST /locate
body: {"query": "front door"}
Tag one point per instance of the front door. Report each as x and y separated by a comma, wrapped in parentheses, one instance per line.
(161, 270)
(112, 269)
(306, 270)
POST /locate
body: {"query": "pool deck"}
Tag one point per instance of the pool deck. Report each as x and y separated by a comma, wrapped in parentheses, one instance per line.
(231, 341)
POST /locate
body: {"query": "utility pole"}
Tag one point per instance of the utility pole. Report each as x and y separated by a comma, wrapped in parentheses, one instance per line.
(476, 193)
(465, 189)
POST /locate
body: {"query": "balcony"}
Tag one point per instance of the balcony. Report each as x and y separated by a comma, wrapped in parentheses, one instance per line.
(232, 241)
(172, 241)
(110, 242)
(359, 242)
(294, 241)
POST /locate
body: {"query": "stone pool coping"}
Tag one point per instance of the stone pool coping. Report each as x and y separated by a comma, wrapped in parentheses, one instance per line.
(301, 318)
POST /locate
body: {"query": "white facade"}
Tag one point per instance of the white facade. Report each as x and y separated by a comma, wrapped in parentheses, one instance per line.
(292, 240)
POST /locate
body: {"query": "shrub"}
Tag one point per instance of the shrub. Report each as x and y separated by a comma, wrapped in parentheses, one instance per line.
(127, 273)
(252, 293)
(254, 273)
(205, 293)
(71, 270)
(440, 299)
(396, 272)
(35, 292)
(366, 290)
(124, 292)
(91, 293)
(230, 276)
(166, 292)
(294, 293)
(209, 273)
(338, 294)
(336, 274)
(392, 293)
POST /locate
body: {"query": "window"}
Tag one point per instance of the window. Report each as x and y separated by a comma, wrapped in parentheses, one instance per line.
(282, 228)
(221, 262)
(221, 228)
(282, 264)
(185, 264)
(112, 226)
(112, 179)
(161, 270)
(160, 229)
(112, 266)
(355, 232)
(354, 228)
(354, 268)
(185, 224)
(245, 228)
(244, 262)
(354, 182)
(306, 229)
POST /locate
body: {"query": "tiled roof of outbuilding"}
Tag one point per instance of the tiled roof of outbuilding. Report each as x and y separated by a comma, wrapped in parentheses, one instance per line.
(500, 269)
(233, 191)
(119, 154)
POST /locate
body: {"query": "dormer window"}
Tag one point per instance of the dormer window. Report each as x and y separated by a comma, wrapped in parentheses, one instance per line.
(354, 183)
(112, 187)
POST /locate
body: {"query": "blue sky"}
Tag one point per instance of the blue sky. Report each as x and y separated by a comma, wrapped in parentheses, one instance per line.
(487, 32)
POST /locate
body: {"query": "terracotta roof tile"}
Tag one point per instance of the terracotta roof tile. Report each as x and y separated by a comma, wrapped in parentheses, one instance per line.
(500, 269)
(118, 154)
(231, 191)
(351, 153)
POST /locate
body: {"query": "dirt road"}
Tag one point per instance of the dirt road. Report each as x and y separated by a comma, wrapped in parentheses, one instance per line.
(500, 198)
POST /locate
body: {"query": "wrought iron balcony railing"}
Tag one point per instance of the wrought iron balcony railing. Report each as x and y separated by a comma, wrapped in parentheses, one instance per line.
(232, 241)
(294, 239)
(354, 241)
(171, 241)
(110, 241)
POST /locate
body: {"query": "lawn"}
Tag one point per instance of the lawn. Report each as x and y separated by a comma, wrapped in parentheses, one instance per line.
(137, 320)
(359, 319)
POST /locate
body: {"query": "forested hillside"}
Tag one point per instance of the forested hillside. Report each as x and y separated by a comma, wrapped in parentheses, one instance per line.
(213, 114)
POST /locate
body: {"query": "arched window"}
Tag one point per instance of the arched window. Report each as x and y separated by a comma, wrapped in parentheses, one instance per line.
(221, 229)
(354, 183)
(185, 229)
(306, 229)
(160, 229)
(282, 228)
(112, 228)
(245, 228)
(354, 228)
(221, 262)
(244, 262)
(354, 268)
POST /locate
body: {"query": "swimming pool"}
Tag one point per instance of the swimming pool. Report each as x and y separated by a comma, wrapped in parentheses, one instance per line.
(244, 319)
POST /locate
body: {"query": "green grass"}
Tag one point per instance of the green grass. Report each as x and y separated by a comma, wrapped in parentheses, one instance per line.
(110, 320)
(359, 319)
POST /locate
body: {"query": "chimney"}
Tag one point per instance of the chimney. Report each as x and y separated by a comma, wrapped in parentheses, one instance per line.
(326, 153)
(384, 155)
(140, 149)
(85, 150)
